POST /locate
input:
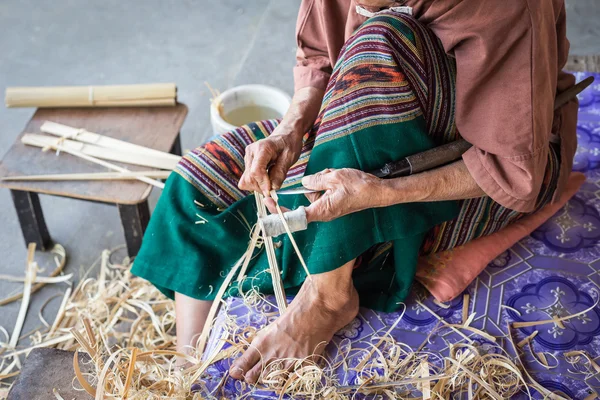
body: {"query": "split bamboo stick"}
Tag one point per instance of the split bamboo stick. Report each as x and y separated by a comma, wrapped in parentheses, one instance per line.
(93, 176)
(61, 147)
(82, 135)
(154, 94)
(153, 161)
(278, 288)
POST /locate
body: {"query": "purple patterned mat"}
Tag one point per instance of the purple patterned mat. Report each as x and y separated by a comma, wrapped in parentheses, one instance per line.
(554, 272)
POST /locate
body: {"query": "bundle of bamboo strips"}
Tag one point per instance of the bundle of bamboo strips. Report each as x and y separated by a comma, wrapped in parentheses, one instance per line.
(154, 94)
(97, 148)
(166, 161)
(85, 136)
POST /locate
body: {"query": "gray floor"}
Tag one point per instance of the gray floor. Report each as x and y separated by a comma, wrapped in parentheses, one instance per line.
(225, 43)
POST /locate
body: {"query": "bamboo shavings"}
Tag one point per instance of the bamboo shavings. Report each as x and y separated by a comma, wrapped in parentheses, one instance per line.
(154, 94)
(215, 99)
(126, 326)
(557, 321)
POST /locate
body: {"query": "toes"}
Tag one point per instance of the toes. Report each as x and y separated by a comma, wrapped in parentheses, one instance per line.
(236, 372)
(244, 363)
(254, 373)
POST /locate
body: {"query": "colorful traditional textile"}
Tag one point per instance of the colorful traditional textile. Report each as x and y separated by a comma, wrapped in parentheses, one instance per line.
(390, 95)
(555, 271)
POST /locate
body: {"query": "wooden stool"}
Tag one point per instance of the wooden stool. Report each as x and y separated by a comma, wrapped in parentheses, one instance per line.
(154, 127)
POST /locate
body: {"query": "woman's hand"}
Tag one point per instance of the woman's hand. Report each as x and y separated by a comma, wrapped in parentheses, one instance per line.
(345, 191)
(282, 148)
(277, 153)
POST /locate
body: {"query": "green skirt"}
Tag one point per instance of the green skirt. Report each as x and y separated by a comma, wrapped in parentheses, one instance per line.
(391, 95)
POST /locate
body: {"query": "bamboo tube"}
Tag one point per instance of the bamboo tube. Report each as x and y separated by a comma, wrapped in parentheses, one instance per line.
(154, 94)
(100, 152)
(82, 135)
(93, 176)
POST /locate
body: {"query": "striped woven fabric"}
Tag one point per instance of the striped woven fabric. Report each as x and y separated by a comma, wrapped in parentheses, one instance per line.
(366, 89)
(483, 216)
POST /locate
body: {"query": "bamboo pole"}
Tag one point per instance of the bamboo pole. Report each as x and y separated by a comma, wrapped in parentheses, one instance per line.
(154, 94)
(82, 135)
(153, 161)
(93, 176)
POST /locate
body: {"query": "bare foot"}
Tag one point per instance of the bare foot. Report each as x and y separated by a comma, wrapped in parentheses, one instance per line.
(323, 306)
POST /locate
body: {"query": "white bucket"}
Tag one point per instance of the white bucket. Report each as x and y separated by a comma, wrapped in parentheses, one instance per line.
(253, 101)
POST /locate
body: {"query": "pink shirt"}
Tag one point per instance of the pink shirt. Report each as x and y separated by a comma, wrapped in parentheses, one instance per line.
(509, 57)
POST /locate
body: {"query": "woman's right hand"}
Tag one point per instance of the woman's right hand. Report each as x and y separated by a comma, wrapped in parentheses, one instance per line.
(268, 160)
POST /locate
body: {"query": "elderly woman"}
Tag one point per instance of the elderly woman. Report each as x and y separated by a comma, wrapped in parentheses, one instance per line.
(374, 82)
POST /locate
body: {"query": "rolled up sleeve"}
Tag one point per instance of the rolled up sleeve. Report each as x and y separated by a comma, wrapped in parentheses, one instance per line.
(313, 66)
(505, 89)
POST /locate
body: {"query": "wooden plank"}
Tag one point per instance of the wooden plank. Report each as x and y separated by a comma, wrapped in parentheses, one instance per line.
(154, 127)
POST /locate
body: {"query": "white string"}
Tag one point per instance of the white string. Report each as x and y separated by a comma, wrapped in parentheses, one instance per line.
(60, 141)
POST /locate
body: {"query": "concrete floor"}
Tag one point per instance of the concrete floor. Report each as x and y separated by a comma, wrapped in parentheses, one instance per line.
(225, 43)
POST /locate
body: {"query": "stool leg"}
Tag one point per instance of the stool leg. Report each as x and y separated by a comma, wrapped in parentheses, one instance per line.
(134, 219)
(176, 149)
(31, 218)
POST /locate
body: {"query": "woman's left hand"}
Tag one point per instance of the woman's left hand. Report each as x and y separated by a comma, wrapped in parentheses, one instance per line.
(345, 191)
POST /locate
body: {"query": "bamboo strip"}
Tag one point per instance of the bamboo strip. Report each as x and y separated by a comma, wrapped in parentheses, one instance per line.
(92, 176)
(61, 311)
(155, 94)
(48, 343)
(270, 249)
(86, 157)
(57, 395)
(37, 279)
(289, 234)
(58, 250)
(45, 141)
(527, 324)
(85, 136)
(130, 371)
(30, 273)
(203, 339)
(465, 308)
(82, 381)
